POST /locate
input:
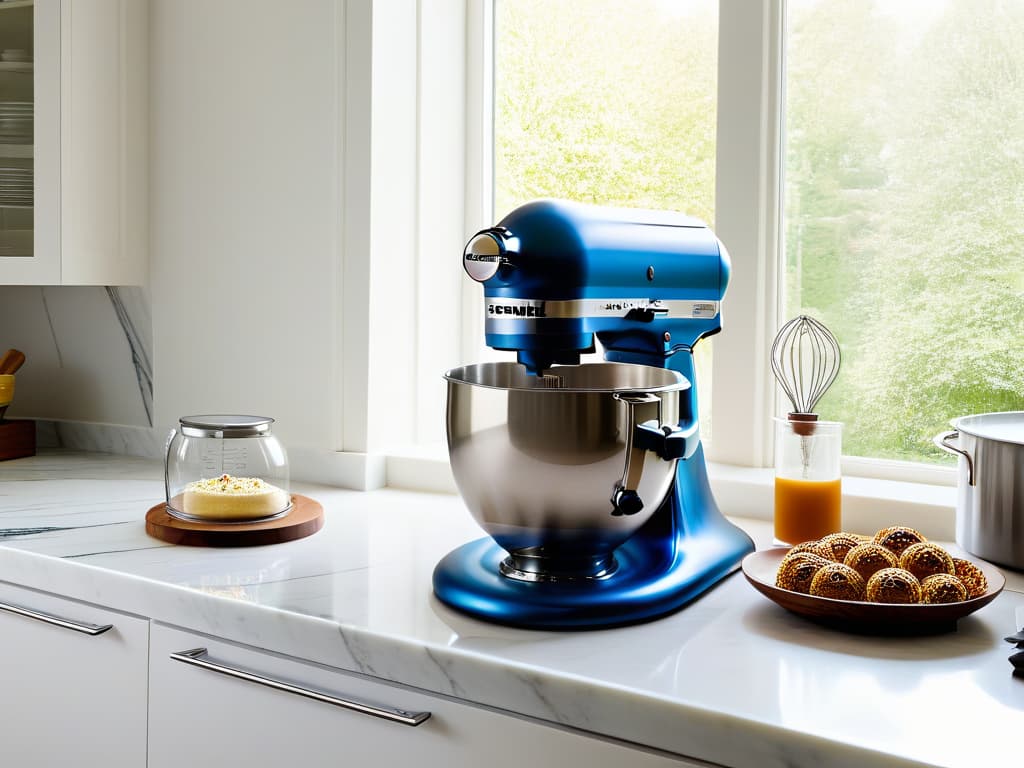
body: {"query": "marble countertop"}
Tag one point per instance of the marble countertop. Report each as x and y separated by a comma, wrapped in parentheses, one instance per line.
(731, 678)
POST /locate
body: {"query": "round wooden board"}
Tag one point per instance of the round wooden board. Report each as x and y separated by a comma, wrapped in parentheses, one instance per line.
(305, 518)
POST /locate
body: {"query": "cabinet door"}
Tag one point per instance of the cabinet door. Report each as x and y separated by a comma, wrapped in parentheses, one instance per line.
(73, 142)
(30, 143)
(71, 693)
(205, 716)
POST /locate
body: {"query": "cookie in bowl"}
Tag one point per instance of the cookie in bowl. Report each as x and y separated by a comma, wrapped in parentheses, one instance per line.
(897, 538)
(838, 582)
(894, 585)
(972, 577)
(797, 571)
(924, 559)
(839, 544)
(868, 558)
(943, 588)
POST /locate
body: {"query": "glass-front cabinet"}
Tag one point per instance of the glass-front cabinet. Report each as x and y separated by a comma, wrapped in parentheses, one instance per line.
(17, 122)
(73, 128)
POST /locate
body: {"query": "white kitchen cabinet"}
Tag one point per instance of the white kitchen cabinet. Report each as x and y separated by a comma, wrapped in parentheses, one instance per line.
(74, 193)
(206, 716)
(71, 692)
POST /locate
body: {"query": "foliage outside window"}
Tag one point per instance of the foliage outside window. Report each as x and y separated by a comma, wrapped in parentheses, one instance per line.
(905, 209)
(904, 176)
(607, 102)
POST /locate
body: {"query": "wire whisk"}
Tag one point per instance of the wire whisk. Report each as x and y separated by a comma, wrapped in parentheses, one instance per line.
(805, 360)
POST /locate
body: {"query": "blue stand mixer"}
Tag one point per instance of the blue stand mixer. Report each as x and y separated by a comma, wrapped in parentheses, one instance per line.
(590, 479)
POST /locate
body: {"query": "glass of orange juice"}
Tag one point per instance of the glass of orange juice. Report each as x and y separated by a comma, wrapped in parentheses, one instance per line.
(808, 484)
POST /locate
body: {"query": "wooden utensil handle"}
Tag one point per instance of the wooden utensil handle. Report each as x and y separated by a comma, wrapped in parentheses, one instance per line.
(11, 361)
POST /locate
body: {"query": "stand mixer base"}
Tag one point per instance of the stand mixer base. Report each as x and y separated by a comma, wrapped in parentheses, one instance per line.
(646, 585)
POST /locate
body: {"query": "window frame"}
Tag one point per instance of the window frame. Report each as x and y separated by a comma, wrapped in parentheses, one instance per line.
(748, 215)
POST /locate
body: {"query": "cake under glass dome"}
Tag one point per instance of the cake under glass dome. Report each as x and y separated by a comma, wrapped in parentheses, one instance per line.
(226, 468)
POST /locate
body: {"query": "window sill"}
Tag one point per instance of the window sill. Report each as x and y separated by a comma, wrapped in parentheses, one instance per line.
(924, 498)
(869, 503)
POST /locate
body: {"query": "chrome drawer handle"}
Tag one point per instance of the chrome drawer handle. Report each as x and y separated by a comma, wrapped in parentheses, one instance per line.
(198, 658)
(78, 626)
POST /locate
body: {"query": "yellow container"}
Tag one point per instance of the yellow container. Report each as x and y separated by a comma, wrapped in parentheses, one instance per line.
(6, 388)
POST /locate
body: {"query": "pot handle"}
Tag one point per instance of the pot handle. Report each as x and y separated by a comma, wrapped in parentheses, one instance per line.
(942, 442)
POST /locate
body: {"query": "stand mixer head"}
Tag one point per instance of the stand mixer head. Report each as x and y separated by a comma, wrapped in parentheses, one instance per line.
(647, 285)
(556, 274)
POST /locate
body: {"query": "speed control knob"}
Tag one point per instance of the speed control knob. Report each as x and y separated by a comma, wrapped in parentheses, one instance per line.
(486, 252)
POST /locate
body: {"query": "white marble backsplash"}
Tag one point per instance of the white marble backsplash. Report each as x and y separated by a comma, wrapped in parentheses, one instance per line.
(88, 353)
(146, 442)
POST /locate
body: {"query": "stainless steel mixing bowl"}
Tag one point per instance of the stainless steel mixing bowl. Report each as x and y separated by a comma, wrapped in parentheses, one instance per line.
(562, 469)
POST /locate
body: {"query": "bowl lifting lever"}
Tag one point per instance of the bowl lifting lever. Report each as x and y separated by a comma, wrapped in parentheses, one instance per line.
(647, 433)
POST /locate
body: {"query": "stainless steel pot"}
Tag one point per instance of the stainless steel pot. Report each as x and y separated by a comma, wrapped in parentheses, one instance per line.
(563, 468)
(990, 500)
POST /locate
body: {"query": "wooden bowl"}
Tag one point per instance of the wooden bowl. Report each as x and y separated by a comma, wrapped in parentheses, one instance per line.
(862, 617)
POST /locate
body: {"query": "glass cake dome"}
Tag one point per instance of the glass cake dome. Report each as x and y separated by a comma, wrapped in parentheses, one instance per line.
(226, 469)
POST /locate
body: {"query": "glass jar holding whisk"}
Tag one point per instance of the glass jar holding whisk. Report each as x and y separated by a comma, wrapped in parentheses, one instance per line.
(808, 481)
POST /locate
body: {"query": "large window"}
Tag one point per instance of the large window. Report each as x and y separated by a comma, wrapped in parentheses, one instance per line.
(900, 173)
(904, 209)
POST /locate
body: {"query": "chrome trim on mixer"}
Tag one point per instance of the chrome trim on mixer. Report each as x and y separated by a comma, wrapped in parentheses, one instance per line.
(521, 310)
(487, 253)
(521, 567)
